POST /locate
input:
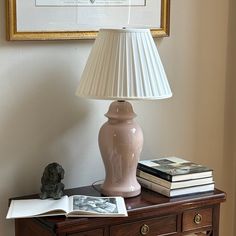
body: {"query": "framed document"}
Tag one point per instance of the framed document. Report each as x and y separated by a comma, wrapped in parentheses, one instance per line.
(81, 19)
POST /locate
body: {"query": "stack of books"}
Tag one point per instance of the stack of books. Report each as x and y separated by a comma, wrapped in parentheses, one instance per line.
(173, 176)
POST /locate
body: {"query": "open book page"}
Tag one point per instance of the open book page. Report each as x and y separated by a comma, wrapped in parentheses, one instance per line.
(89, 206)
(37, 207)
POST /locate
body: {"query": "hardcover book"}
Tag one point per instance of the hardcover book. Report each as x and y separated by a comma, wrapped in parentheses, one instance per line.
(174, 185)
(73, 206)
(174, 169)
(174, 192)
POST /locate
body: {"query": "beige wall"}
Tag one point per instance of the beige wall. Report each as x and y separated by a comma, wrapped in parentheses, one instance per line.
(230, 130)
(42, 121)
(196, 54)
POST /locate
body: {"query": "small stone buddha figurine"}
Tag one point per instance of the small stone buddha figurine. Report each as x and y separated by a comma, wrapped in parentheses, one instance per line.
(51, 181)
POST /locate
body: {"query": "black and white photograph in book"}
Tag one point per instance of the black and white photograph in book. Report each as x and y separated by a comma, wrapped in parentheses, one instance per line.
(96, 205)
(178, 168)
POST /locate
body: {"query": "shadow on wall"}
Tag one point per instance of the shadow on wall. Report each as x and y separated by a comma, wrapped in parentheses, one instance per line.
(41, 110)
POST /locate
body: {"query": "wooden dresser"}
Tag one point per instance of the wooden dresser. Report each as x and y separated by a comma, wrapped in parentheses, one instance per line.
(150, 214)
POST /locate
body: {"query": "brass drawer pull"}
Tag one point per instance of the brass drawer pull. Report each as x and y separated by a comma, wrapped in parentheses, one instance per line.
(198, 219)
(144, 229)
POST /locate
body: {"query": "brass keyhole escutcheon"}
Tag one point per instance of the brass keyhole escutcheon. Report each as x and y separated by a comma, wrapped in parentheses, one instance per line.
(144, 229)
(198, 218)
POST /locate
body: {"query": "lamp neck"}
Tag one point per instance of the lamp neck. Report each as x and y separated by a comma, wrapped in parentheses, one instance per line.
(120, 100)
(120, 110)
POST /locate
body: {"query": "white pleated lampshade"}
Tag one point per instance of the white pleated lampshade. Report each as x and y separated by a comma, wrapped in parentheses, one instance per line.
(124, 64)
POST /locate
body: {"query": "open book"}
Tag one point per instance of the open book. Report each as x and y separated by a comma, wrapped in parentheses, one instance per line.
(73, 206)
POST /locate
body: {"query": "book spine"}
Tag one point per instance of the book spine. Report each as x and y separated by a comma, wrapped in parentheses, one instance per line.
(154, 179)
(176, 192)
(154, 187)
(177, 184)
(155, 172)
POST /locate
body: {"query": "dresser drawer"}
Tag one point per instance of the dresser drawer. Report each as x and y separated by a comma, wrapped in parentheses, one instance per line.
(96, 232)
(197, 218)
(149, 227)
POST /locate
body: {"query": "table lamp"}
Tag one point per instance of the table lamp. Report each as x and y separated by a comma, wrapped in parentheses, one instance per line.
(124, 64)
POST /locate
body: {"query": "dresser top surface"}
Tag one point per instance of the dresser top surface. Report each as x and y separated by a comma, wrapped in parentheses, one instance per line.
(148, 198)
(146, 204)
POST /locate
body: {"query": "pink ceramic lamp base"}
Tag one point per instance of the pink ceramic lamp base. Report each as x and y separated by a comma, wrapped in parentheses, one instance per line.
(120, 143)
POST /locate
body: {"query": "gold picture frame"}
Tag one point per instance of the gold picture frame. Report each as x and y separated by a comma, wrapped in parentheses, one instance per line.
(14, 34)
